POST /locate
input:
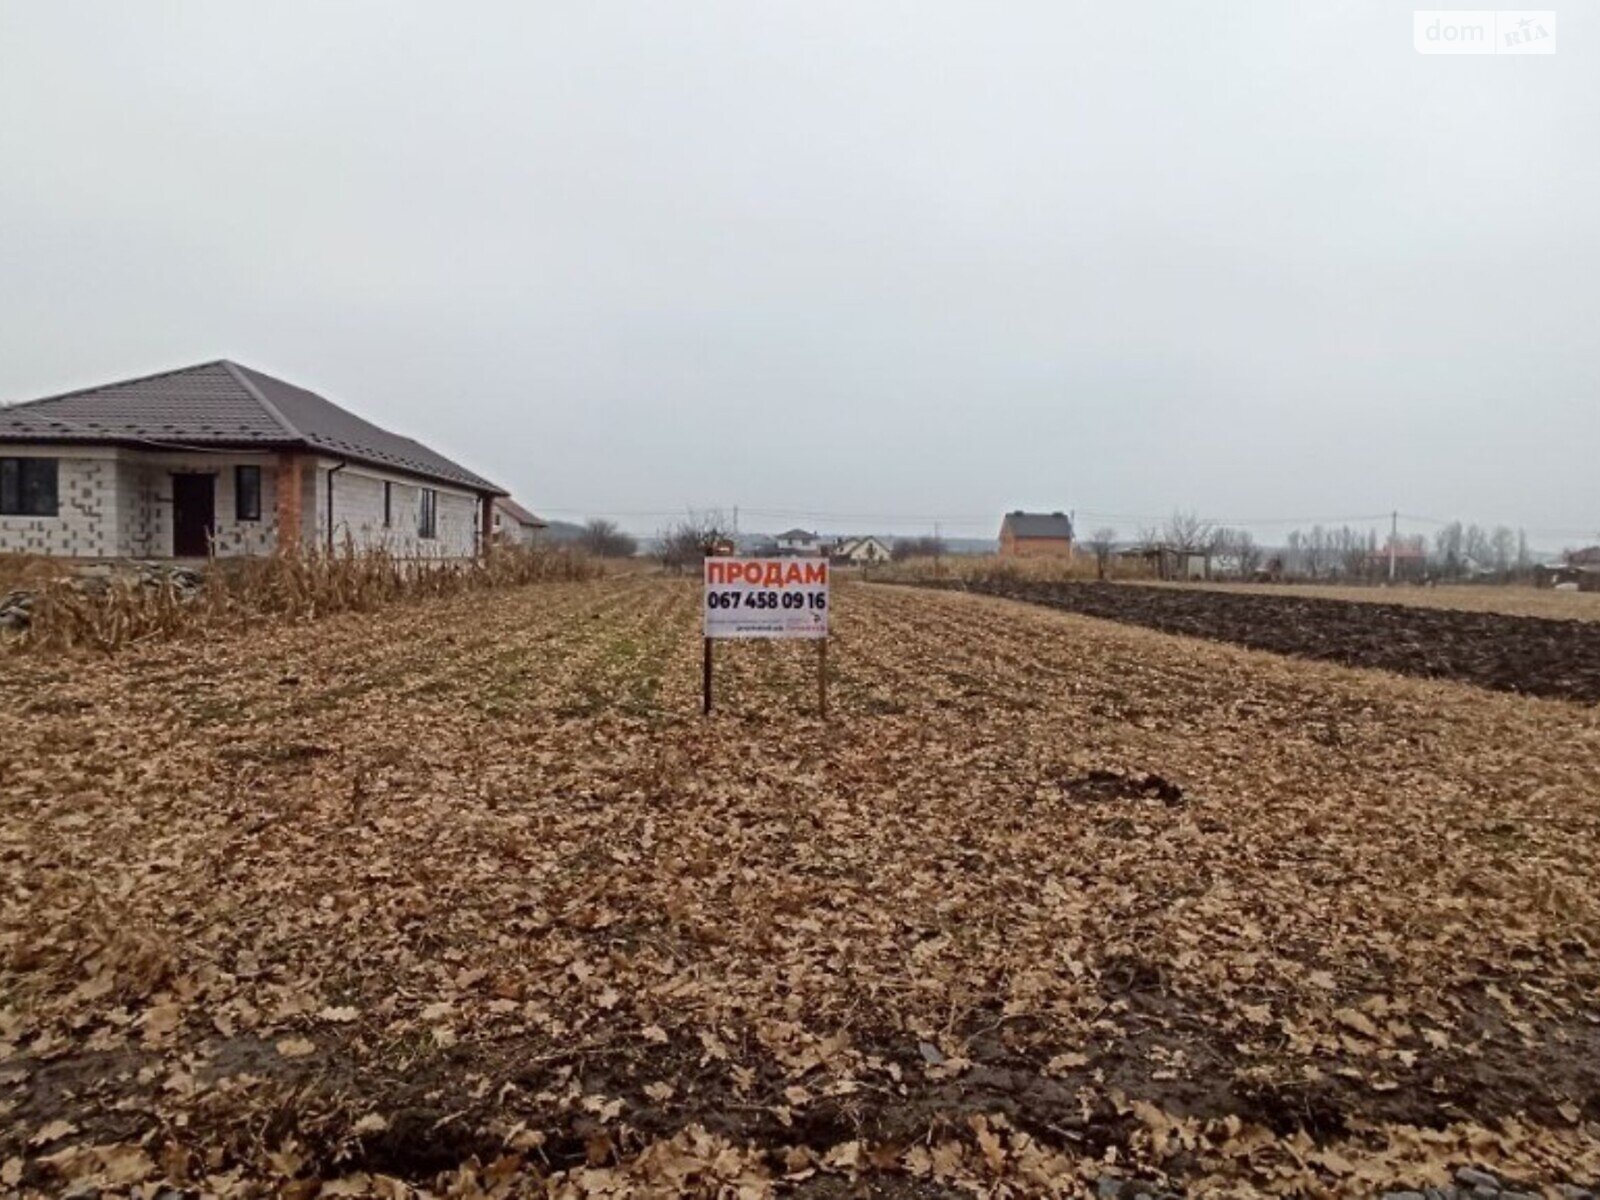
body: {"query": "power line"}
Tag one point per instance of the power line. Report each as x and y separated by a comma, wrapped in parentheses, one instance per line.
(989, 521)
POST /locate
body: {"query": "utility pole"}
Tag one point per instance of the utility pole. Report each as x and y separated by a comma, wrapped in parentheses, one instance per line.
(938, 553)
(1394, 537)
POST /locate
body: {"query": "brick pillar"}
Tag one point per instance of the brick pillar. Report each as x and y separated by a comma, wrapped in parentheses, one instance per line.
(289, 483)
(485, 526)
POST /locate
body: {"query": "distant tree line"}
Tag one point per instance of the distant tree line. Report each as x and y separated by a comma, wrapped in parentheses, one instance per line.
(1323, 552)
(917, 547)
(1458, 551)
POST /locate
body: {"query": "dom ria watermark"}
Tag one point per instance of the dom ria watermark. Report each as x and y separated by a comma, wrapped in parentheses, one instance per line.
(1459, 31)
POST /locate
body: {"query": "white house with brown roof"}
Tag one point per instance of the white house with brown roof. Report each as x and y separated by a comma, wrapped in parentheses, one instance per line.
(220, 459)
(861, 551)
(515, 525)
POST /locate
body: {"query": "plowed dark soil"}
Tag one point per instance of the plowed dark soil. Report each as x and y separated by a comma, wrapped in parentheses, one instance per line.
(1530, 655)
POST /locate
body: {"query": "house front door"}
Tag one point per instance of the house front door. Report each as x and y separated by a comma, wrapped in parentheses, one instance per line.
(194, 515)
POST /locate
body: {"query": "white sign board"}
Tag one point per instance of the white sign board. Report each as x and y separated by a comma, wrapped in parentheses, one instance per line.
(766, 597)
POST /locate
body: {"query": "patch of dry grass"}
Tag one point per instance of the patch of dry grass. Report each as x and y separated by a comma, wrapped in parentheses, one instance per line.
(991, 568)
(110, 614)
(27, 570)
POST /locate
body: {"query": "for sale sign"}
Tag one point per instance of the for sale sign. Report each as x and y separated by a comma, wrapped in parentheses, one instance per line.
(766, 597)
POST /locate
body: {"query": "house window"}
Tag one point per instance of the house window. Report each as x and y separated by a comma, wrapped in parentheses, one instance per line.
(428, 515)
(388, 504)
(28, 487)
(247, 493)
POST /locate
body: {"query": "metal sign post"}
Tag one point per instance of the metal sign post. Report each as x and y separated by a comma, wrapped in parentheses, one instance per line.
(822, 677)
(775, 598)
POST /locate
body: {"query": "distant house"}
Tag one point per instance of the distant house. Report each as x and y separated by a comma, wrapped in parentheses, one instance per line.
(798, 541)
(219, 459)
(1029, 535)
(1579, 568)
(861, 551)
(1410, 561)
(515, 525)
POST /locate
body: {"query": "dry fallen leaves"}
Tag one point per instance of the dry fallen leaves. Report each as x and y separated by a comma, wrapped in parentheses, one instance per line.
(474, 884)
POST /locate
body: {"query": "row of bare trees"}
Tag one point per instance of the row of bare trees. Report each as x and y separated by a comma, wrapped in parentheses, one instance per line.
(1341, 552)
(1458, 551)
(1326, 553)
(918, 547)
(1234, 551)
(1471, 549)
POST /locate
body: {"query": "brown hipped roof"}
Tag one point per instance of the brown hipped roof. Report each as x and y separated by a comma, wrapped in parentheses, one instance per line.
(219, 404)
(519, 514)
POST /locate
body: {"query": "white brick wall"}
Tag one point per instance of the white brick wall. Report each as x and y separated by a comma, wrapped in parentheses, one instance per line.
(511, 532)
(358, 514)
(118, 504)
(86, 522)
(145, 489)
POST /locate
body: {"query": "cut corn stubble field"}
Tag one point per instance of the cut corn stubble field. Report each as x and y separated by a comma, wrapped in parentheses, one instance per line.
(467, 894)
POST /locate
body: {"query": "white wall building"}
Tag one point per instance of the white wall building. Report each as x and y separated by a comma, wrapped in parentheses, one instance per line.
(862, 551)
(515, 525)
(798, 541)
(219, 459)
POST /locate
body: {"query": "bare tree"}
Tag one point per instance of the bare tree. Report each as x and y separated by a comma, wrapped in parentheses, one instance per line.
(1352, 550)
(1250, 554)
(1188, 534)
(1503, 549)
(1238, 546)
(1475, 546)
(698, 534)
(1448, 550)
(1102, 542)
(604, 539)
(1315, 552)
(1188, 531)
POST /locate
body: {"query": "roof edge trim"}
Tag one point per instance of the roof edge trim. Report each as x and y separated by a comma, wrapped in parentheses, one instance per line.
(256, 394)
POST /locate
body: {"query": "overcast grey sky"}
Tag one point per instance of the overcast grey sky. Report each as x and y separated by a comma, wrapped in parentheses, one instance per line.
(839, 258)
